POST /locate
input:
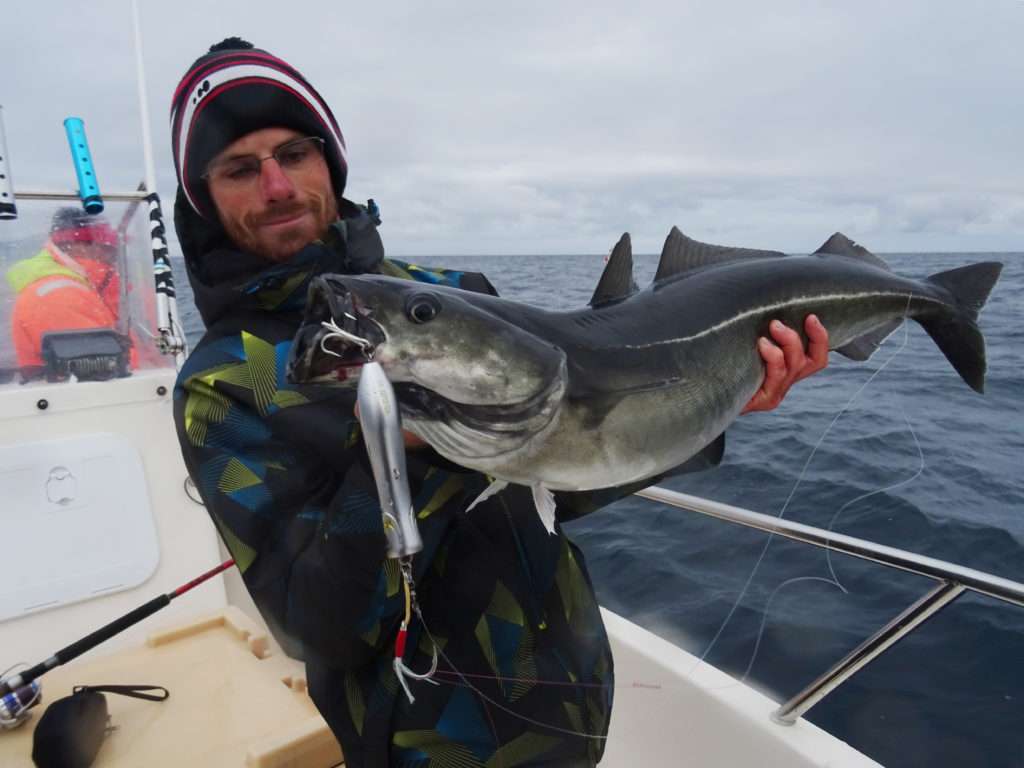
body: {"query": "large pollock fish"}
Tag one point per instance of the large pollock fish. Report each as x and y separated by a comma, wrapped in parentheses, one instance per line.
(637, 383)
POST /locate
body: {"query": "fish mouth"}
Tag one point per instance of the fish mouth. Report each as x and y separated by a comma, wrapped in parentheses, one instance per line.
(337, 337)
(468, 431)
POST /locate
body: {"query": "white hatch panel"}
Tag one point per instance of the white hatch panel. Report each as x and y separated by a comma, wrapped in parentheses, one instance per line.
(75, 522)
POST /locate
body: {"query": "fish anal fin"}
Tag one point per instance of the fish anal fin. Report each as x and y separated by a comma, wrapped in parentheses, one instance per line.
(617, 279)
(544, 500)
(864, 346)
(683, 254)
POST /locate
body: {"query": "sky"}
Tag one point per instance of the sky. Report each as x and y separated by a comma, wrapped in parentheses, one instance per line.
(549, 128)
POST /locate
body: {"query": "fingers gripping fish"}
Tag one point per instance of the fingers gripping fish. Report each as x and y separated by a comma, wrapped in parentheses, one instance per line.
(638, 382)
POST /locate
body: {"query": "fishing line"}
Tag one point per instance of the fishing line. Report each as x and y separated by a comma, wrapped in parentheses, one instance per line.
(792, 492)
(835, 517)
(466, 682)
(828, 550)
(494, 733)
(767, 607)
(635, 684)
(463, 679)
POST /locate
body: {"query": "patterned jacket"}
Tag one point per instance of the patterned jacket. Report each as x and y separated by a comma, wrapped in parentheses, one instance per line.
(525, 675)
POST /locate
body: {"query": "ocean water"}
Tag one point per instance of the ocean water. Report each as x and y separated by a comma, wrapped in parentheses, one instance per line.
(917, 460)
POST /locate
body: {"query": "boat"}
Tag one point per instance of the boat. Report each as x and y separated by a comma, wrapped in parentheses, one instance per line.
(99, 517)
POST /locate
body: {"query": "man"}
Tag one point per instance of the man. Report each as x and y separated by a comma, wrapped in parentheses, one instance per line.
(526, 677)
(71, 284)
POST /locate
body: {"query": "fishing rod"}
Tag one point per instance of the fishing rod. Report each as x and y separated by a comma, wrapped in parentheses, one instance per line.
(171, 338)
(19, 692)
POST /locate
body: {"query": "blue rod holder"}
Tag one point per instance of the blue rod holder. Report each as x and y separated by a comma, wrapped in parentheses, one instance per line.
(88, 187)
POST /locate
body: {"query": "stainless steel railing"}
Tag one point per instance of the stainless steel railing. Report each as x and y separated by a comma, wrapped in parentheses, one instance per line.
(953, 580)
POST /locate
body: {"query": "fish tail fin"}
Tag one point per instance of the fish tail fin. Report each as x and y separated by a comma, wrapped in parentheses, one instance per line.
(970, 286)
(956, 332)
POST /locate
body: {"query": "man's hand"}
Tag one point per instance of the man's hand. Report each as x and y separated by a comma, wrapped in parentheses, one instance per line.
(787, 362)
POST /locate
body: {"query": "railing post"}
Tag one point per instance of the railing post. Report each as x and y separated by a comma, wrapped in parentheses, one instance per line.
(8, 208)
(953, 581)
(934, 601)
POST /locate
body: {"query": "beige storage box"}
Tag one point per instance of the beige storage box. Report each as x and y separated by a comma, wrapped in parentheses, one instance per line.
(232, 702)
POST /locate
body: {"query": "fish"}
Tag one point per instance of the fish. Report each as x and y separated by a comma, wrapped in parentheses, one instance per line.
(634, 385)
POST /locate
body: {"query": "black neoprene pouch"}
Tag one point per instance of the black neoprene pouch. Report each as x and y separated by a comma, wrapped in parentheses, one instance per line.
(71, 730)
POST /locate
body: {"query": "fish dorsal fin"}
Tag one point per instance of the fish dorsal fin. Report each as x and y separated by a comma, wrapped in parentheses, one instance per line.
(617, 279)
(840, 245)
(682, 254)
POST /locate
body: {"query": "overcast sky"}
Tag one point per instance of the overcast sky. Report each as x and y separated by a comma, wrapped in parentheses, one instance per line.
(552, 127)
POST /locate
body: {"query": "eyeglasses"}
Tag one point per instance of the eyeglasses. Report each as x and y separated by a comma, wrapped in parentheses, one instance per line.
(293, 157)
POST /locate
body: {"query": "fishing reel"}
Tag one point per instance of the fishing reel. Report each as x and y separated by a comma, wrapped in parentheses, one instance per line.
(16, 699)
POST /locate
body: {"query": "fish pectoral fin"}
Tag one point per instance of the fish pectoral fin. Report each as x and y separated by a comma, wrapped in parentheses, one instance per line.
(863, 347)
(708, 457)
(711, 455)
(496, 486)
(544, 500)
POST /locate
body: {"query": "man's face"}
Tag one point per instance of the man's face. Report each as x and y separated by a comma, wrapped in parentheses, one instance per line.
(273, 212)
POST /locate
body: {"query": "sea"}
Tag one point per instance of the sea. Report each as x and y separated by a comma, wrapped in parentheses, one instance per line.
(897, 450)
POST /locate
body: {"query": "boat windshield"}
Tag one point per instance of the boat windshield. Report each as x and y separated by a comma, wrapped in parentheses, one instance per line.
(77, 296)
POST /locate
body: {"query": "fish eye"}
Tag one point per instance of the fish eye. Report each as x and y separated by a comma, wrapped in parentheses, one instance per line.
(422, 308)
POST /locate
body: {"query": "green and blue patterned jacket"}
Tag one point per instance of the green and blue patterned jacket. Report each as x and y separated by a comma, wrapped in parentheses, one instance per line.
(283, 472)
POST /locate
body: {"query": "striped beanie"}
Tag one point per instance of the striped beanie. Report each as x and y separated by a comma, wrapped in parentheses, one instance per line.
(236, 89)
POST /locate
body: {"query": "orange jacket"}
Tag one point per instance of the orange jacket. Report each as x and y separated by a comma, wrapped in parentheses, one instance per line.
(58, 293)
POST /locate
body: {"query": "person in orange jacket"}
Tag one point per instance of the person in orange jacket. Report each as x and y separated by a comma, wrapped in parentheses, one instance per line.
(71, 284)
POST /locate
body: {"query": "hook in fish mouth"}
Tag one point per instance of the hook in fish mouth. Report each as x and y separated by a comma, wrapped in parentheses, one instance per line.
(336, 338)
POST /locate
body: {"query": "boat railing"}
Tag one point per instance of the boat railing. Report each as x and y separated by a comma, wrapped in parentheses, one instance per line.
(56, 195)
(952, 581)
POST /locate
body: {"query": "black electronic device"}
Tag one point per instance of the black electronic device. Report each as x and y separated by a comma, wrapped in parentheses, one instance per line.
(94, 354)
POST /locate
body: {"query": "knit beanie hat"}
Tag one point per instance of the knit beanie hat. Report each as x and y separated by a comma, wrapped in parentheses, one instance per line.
(72, 226)
(236, 89)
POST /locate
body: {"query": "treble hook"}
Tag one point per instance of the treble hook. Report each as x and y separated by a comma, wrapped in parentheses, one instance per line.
(337, 331)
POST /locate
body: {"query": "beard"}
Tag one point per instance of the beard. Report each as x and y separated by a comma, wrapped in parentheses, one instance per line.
(249, 231)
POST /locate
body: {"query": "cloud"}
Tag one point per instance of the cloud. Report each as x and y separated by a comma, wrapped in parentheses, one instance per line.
(539, 127)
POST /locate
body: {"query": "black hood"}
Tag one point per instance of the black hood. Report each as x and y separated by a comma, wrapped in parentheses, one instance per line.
(225, 279)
